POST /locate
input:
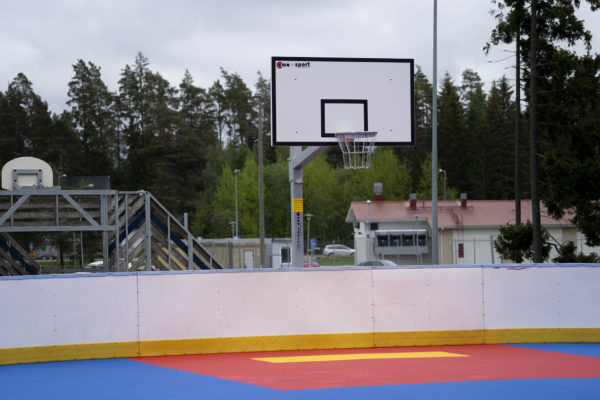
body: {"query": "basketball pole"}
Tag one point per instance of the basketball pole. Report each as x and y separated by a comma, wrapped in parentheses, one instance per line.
(299, 158)
(434, 155)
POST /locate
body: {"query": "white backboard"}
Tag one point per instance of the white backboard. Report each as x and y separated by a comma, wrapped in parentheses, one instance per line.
(312, 98)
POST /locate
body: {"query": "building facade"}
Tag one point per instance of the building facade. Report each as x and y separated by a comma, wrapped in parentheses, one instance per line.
(400, 231)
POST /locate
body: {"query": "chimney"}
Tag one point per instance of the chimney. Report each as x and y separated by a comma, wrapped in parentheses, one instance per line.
(378, 190)
(412, 201)
(463, 200)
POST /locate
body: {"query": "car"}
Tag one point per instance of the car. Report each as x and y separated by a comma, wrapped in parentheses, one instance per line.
(377, 263)
(338, 250)
(95, 264)
(311, 262)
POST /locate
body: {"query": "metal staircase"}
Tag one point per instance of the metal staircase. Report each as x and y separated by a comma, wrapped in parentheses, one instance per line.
(137, 232)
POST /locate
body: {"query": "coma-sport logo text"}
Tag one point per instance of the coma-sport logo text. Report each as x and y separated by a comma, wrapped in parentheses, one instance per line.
(283, 64)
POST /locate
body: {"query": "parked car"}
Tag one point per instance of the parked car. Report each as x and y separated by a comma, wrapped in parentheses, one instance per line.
(338, 250)
(311, 262)
(377, 263)
(95, 264)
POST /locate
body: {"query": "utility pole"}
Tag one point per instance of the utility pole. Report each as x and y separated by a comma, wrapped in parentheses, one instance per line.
(535, 198)
(518, 128)
(261, 201)
(235, 174)
(434, 152)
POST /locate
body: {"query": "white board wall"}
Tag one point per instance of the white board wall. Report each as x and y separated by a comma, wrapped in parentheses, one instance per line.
(55, 310)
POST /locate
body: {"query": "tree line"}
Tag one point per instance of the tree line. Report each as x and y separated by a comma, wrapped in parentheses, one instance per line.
(184, 144)
(189, 145)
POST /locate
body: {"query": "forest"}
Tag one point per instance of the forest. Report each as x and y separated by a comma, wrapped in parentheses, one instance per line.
(183, 143)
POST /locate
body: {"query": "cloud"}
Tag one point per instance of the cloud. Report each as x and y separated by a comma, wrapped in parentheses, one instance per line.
(43, 39)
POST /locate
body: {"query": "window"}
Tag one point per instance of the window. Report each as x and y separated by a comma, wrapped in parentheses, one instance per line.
(395, 240)
(407, 240)
(374, 226)
(286, 255)
(248, 259)
(382, 240)
(422, 240)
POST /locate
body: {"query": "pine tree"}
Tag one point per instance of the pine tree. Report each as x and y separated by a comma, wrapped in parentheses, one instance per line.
(500, 118)
(544, 27)
(479, 149)
(454, 148)
(29, 120)
(423, 106)
(93, 114)
(239, 111)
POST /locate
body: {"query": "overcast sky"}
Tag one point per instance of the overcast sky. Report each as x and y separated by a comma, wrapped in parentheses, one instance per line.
(44, 38)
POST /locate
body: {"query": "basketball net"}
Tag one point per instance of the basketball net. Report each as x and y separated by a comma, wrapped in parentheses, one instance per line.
(357, 148)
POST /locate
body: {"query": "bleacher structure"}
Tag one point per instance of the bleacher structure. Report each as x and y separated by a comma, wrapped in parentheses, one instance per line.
(136, 231)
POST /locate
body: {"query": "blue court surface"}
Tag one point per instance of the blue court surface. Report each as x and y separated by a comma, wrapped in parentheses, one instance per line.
(528, 371)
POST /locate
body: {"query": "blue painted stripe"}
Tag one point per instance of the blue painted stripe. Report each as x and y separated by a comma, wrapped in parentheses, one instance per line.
(579, 349)
(127, 379)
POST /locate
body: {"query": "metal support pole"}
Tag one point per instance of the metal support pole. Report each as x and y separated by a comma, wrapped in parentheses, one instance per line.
(169, 241)
(104, 222)
(74, 251)
(417, 240)
(308, 246)
(117, 238)
(81, 246)
(237, 234)
(368, 242)
(434, 152)
(298, 160)
(126, 232)
(148, 232)
(190, 253)
(261, 201)
(297, 207)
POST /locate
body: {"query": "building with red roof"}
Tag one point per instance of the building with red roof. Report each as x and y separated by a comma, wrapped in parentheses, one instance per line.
(401, 230)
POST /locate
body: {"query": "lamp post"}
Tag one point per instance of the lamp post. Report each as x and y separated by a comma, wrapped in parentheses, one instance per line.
(261, 202)
(232, 223)
(434, 148)
(444, 173)
(235, 173)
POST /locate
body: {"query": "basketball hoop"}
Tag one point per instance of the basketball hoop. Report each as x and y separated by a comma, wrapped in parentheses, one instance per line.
(357, 148)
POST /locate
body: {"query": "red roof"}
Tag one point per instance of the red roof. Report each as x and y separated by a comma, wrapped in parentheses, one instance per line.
(482, 213)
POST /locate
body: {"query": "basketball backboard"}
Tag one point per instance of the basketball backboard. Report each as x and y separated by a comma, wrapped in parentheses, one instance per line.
(313, 98)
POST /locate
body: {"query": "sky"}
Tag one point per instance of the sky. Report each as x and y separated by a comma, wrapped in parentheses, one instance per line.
(44, 38)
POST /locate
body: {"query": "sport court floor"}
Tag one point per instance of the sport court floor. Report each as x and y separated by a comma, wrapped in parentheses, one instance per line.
(526, 371)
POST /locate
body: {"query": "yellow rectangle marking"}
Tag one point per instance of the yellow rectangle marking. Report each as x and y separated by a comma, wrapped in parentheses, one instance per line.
(297, 205)
(360, 356)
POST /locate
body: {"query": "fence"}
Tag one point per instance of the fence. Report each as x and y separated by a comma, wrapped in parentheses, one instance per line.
(483, 251)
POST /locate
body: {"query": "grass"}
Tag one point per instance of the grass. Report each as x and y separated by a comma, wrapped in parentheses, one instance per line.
(339, 260)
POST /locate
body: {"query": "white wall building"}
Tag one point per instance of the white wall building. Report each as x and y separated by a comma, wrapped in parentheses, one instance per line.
(401, 230)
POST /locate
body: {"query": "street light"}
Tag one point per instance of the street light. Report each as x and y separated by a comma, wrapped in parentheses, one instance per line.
(444, 172)
(261, 202)
(235, 173)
